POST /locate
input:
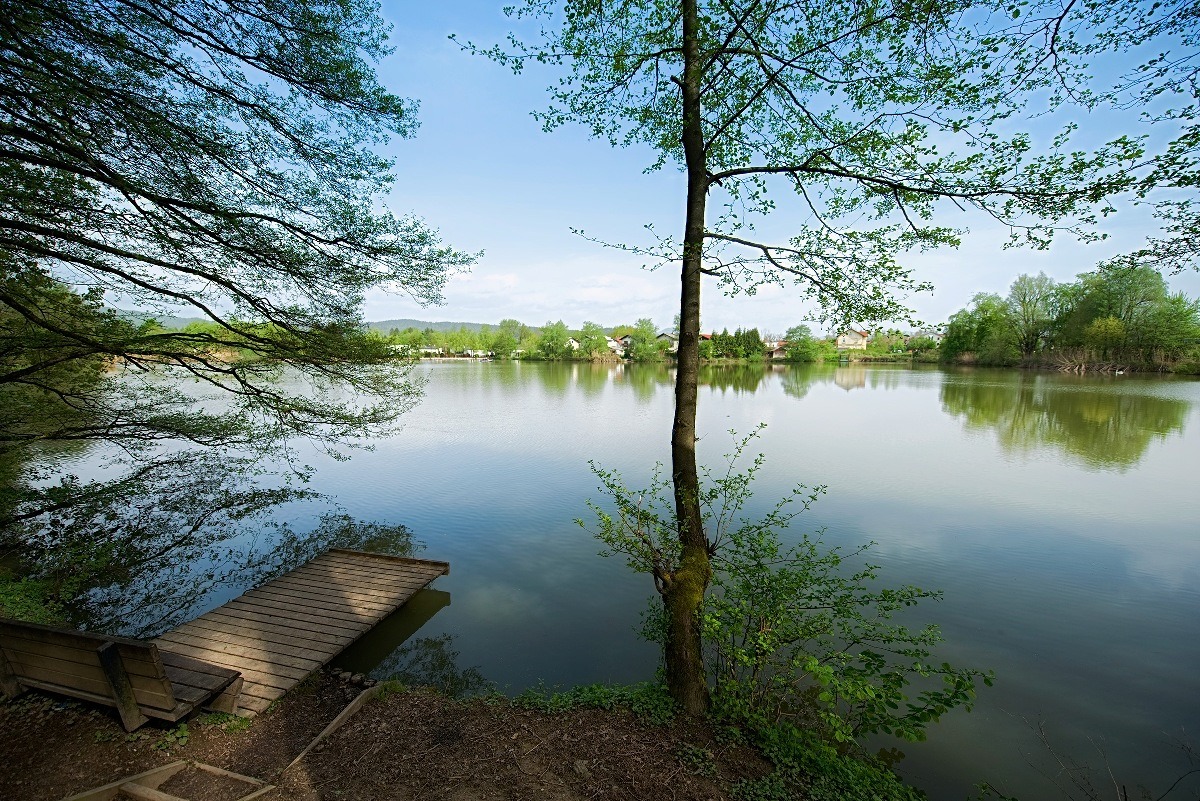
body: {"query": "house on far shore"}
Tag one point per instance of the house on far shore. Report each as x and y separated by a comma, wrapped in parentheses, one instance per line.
(853, 339)
(615, 346)
(671, 340)
(779, 351)
(572, 343)
(930, 333)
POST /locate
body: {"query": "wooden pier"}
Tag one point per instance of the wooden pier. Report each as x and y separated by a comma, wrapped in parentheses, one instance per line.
(276, 635)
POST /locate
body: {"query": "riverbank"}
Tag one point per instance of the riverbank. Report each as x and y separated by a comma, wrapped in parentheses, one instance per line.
(418, 744)
(1080, 366)
(404, 744)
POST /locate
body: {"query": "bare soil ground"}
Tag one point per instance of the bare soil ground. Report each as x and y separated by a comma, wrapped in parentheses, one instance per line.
(406, 745)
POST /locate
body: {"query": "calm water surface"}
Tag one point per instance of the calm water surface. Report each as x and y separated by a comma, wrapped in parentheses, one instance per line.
(1060, 515)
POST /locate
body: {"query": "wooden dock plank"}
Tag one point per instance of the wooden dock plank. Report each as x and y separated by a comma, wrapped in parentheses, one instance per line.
(277, 675)
(375, 595)
(366, 569)
(296, 658)
(278, 634)
(288, 612)
(346, 577)
(328, 605)
(251, 626)
(240, 637)
(252, 670)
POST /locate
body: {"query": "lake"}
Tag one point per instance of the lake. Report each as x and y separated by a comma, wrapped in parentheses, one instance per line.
(1060, 515)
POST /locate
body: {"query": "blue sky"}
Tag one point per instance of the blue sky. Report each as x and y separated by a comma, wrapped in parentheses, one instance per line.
(481, 170)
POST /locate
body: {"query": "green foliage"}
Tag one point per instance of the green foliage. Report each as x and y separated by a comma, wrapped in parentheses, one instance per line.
(1117, 312)
(1029, 310)
(173, 738)
(33, 600)
(983, 331)
(919, 345)
(696, 760)
(1104, 334)
(809, 768)
(385, 690)
(845, 125)
(801, 346)
(198, 161)
(648, 700)
(234, 724)
(553, 343)
(741, 344)
(592, 341)
(790, 633)
(249, 203)
(886, 343)
(644, 346)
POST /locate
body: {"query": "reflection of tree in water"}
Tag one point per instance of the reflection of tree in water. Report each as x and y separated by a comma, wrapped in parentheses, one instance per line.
(555, 377)
(433, 662)
(738, 378)
(796, 380)
(592, 377)
(645, 379)
(156, 598)
(139, 555)
(1102, 426)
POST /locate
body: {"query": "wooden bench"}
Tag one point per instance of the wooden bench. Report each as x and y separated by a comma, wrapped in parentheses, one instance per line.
(137, 678)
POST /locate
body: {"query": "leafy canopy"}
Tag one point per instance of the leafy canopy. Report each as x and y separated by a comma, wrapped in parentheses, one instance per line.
(211, 160)
(203, 159)
(874, 114)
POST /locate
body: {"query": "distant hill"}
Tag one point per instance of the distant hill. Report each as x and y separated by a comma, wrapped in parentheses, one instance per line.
(169, 321)
(165, 320)
(442, 325)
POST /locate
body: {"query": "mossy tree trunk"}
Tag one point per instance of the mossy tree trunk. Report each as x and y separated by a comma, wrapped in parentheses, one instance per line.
(684, 592)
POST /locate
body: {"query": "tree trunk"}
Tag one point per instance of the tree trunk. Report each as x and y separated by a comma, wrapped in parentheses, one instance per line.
(684, 592)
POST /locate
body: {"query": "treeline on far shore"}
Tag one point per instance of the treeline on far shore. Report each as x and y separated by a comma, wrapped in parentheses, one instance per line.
(1119, 317)
(643, 341)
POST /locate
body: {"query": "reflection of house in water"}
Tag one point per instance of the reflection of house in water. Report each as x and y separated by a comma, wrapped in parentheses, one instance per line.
(848, 378)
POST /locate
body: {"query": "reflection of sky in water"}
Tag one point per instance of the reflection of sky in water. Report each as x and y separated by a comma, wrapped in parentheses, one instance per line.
(1071, 571)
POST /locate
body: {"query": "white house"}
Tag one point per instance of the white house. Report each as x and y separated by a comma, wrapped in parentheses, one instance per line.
(671, 340)
(927, 332)
(853, 339)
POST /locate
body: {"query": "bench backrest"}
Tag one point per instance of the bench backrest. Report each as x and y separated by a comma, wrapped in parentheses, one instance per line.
(74, 663)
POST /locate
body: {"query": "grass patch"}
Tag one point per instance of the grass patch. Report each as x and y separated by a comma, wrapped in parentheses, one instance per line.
(224, 721)
(647, 700)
